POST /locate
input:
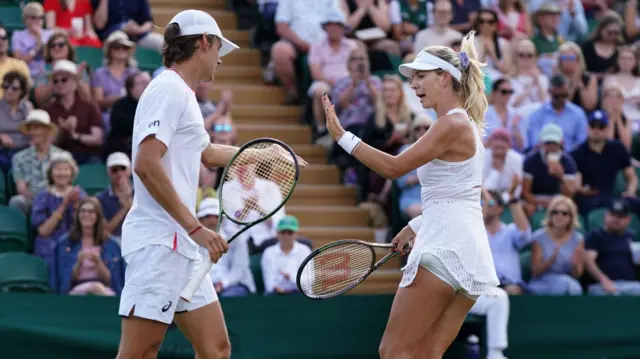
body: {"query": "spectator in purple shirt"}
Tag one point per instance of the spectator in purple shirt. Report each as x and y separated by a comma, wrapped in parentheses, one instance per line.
(108, 81)
(28, 44)
(53, 209)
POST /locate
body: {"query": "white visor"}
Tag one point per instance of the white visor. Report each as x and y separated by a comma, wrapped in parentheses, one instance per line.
(427, 62)
(198, 22)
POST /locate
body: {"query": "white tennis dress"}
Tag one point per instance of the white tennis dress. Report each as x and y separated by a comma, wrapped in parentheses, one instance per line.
(451, 227)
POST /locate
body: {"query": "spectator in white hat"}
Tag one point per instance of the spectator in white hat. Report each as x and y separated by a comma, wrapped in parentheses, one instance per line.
(28, 165)
(116, 200)
(231, 276)
(79, 120)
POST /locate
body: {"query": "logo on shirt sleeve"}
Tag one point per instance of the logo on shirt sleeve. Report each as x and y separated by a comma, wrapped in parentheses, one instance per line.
(155, 123)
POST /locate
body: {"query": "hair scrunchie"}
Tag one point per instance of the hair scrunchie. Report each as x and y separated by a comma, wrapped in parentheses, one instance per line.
(464, 61)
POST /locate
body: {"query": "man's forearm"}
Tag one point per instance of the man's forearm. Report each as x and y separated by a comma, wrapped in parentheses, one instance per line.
(218, 155)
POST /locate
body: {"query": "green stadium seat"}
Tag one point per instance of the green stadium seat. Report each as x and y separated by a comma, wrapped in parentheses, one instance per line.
(148, 60)
(595, 220)
(91, 55)
(22, 272)
(536, 219)
(11, 16)
(14, 234)
(506, 217)
(525, 265)
(256, 270)
(92, 178)
(11, 185)
(4, 192)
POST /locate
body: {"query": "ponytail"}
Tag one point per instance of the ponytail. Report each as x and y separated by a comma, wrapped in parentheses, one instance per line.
(472, 87)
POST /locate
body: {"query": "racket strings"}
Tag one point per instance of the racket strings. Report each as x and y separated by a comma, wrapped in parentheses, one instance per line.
(261, 162)
(336, 269)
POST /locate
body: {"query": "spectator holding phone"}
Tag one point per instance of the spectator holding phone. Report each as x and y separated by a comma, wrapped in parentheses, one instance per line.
(53, 210)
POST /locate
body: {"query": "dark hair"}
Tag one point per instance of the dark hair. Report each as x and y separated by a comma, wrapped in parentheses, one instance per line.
(495, 37)
(558, 80)
(130, 81)
(57, 35)
(11, 76)
(178, 48)
(606, 19)
(496, 85)
(99, 232)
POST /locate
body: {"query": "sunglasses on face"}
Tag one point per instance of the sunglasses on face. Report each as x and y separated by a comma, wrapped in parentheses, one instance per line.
(34, 17)
(486, 21)
(58, 45)
(597, 125)
(526, 55)
(568, 57)
(223, 128)
(506, 91)
(60, 80)
(422, 128)
(563, 213)
(116, 169)
(119, 47)
(4, 37)
(6, 86)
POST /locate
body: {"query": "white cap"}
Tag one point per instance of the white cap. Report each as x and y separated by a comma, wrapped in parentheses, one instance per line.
(118, 159)
(198, 22)
(427, 62)
(208, 207)
(65, 66)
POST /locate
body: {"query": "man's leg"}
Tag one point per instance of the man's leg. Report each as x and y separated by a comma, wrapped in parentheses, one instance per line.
(283, 55)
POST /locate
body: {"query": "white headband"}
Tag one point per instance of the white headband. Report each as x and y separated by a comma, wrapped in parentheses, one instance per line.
(427, 62)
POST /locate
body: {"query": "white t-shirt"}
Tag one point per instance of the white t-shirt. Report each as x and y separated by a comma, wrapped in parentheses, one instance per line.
(169, 110)
(280, 269)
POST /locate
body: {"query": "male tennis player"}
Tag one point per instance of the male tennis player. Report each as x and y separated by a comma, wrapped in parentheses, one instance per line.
(161, 234)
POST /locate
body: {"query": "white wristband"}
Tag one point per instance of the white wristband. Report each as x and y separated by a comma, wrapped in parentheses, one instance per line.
(349, 142)
(415, 224)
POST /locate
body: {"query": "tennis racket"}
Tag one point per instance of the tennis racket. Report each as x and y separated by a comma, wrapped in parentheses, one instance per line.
(256, 183)
(338, 267)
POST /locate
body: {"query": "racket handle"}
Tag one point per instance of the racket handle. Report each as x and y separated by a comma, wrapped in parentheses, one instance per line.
(196, 280)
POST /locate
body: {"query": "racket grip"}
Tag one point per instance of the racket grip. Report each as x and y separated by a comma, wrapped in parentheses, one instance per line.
(196, 280)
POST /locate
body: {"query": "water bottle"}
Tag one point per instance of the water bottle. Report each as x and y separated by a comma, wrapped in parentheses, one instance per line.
(473, 347)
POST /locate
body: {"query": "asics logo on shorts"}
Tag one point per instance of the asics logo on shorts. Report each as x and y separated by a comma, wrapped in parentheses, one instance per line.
(166, 306)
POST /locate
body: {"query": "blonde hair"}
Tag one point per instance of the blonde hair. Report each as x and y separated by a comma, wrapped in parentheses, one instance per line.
(572, 47)
(573, 209)
(404, 113)
(31, 9)
(515, 72)
(471, 88)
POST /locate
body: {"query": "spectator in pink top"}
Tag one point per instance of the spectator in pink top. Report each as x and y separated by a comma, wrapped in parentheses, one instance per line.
(328, 63)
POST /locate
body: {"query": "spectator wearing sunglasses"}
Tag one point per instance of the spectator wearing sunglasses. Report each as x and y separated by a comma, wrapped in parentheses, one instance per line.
(600, 51)
(79, 120)
(557, 253)
(59, 48)
(571, 21)
(548, 171)
(507, 240)
(530, 85)
(599, 160)
(500, 115)
(28, 44)
(560, 111)
(13, 111)
(123, 112)
(8, 63)
(493, 49)
(116, 200)
(583, 86)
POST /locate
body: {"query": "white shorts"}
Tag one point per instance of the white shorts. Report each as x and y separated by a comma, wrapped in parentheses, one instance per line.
(154, 278)
(434, 265)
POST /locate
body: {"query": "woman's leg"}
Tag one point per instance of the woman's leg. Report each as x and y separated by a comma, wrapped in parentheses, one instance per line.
(415, 310)
(206, 331)
(141, 338)
(434, 344)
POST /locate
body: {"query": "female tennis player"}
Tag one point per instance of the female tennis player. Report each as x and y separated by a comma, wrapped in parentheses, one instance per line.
(450, 264)
(161, 234)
